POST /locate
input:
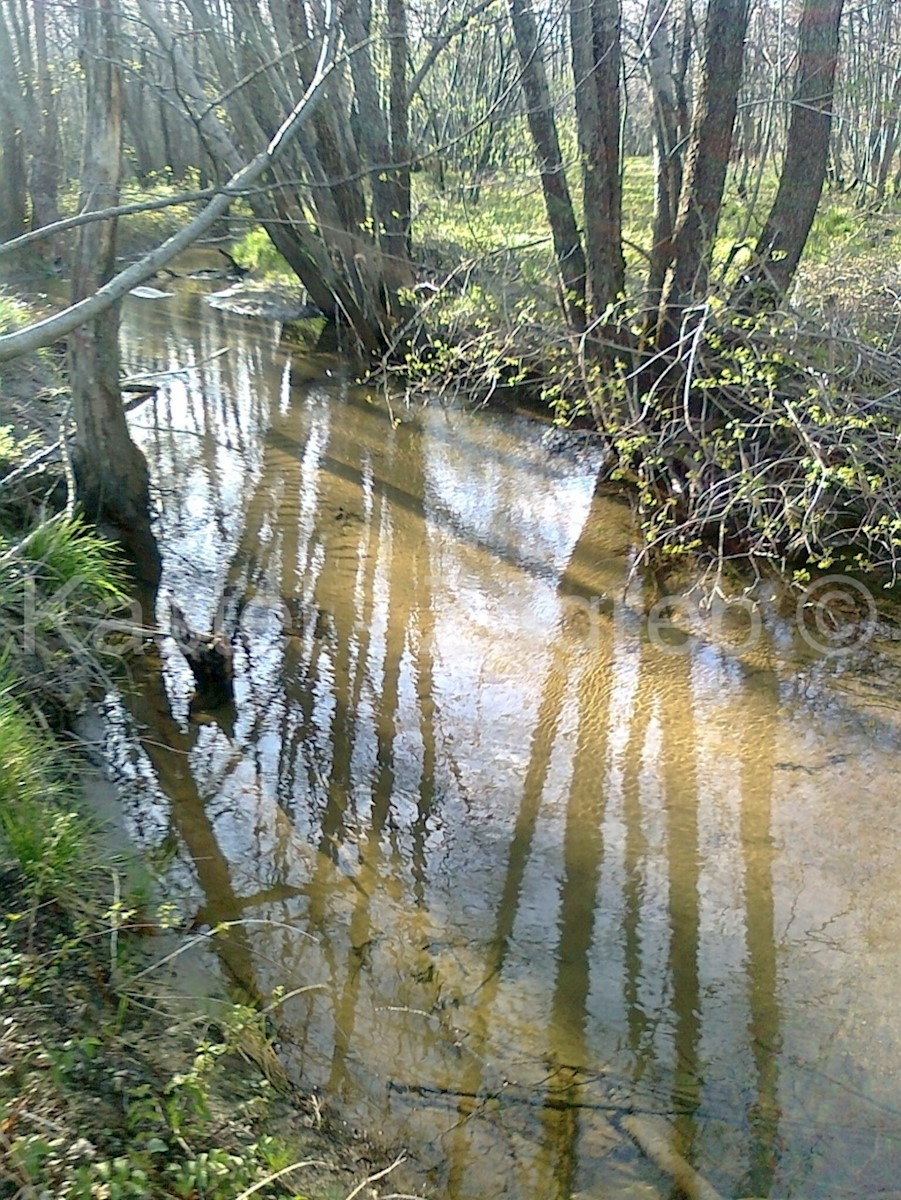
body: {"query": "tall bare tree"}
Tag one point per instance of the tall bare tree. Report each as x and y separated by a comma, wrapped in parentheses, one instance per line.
(112, 478)
(543, 128)
(28, 100)
(710, 146)
(665, 76)
(787, 227)
(597, 68)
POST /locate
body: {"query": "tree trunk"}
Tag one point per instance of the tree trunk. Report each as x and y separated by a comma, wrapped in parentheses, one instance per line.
(399, 113)
(785, 233)
(710, 146)
(110, 471)
(31, 105)
(557, 200)
(891, 141)
(374, 141)
(45, 165)
(280, 215)
(659, 65)
(12, 179)
(16, 126)
(597, 66)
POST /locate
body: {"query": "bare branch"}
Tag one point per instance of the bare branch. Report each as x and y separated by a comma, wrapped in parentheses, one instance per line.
(42, 333)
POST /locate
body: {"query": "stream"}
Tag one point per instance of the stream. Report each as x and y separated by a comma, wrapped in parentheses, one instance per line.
(537, 861)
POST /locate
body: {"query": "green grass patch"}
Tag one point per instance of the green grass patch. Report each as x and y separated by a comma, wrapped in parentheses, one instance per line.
(56, 580)
(41, 835)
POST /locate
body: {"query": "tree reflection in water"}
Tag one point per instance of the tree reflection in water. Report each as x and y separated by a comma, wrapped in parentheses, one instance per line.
(535, 846)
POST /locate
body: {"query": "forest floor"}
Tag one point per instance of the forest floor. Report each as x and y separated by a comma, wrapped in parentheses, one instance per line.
(116, 1086)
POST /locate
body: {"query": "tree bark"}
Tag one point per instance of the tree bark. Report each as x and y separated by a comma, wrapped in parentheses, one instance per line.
(787, 227)
(16, 125)
(13, 190)
(374, 141)
(710, 146)
(597, 66)
(45, 165)
(543, 128)
(890, 141)
(113, 483)
(658, 60)
(31, 106)
(281, 217)
(399, 114)
(50, 329)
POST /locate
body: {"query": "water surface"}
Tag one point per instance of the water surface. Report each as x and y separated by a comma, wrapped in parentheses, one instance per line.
(541, 864)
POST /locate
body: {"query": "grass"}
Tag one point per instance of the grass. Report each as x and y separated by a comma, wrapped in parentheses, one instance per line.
(509, 217)
(61, 572)
(59, 587)
(39, 832)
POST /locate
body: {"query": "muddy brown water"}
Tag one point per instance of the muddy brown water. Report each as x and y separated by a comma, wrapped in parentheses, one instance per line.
(538, 860)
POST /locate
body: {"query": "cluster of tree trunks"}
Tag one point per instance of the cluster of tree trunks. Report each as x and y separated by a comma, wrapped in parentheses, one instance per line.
(692, 154)
(332, 188)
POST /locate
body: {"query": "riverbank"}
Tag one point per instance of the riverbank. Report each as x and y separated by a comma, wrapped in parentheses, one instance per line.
(114, 1085)
(122, 1073)
(377, 878)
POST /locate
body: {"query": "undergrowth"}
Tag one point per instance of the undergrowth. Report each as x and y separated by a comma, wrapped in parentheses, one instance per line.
(769, 440)
(109, 1091)
(765, 439)
(255, 251)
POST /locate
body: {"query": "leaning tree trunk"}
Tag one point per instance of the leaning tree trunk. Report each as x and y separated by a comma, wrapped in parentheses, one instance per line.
(597, 67)
(543, 128)
(329, 283)
(709, 149)
(110, 471)
(787, 227)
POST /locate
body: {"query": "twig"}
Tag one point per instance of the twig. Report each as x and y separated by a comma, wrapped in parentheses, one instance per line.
(401, 1158)
(262, 1183)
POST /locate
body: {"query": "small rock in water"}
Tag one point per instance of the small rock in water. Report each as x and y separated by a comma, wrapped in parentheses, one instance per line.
(150, 293)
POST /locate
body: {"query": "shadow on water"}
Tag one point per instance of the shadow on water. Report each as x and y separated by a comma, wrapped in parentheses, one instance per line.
(544, 869)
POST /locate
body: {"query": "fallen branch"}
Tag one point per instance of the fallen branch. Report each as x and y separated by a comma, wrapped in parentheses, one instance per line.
(543, 1100)
(654, 1137)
